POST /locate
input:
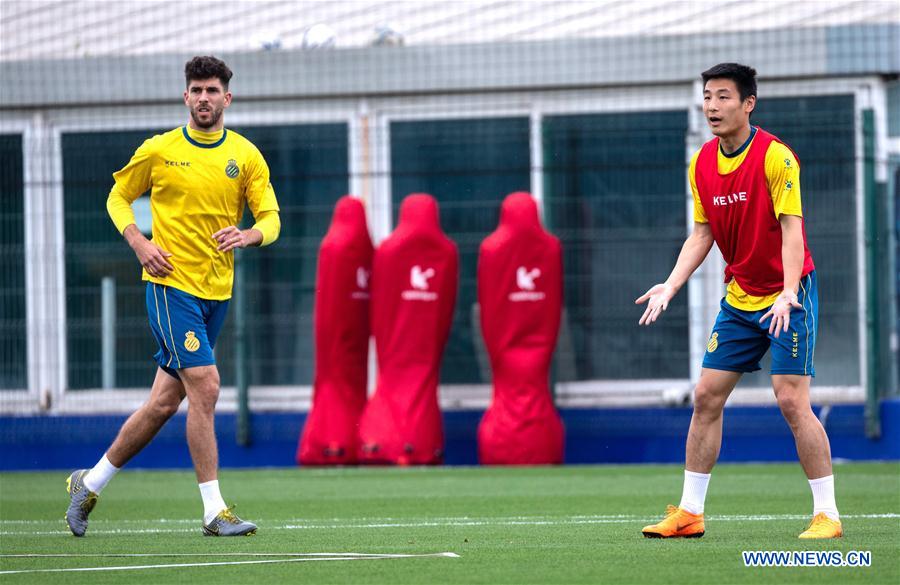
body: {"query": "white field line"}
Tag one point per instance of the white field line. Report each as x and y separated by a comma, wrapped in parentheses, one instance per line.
(336, 520)
(380, 523)
(222, 554)
(289, 559)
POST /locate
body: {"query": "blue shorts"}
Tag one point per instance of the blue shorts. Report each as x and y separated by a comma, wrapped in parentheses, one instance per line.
(738, 340)
(185, 327)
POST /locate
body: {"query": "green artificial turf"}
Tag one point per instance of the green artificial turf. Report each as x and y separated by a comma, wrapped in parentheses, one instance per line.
(573, 524)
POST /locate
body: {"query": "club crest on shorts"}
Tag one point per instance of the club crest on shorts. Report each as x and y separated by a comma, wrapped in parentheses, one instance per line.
(191, 343)
(232, 169)
(713, 342)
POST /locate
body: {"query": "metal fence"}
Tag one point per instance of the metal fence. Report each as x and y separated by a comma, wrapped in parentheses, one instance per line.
(602, 140)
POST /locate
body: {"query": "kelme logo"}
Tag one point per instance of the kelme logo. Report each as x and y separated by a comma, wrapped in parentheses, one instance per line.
(191, 343)
(713, 344)
(232, 169)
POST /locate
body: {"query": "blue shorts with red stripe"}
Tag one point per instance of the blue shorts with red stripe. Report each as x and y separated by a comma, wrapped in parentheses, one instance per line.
(738, 340)
(185, 327)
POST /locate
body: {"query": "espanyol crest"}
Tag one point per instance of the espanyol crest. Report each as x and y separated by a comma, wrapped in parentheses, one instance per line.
(232, 169)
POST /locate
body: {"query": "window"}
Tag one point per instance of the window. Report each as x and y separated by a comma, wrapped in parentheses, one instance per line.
(13, 374)
(309, 170)
(94, 250)
(614, 192)
(821, 131)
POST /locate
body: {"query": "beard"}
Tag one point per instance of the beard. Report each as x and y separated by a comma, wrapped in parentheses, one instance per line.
(214, 115)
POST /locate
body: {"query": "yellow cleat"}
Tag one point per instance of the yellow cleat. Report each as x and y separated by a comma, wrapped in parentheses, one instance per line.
(678, 523)
(823, 527)
(226, 523)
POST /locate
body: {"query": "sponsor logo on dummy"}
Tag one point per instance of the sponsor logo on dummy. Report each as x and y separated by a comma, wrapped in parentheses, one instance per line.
(418, 280)
(362, 284)
(525, 281)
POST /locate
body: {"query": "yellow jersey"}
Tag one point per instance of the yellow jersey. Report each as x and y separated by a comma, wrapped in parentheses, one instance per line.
(783, 177)
(200, 182)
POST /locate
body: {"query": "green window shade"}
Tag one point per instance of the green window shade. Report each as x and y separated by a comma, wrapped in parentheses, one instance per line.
(821, 131)
(94, 250)
(13, 374)
(614, 192)
(309, 172)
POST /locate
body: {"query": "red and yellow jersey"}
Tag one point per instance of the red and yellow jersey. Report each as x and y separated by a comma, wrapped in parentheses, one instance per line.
(199, 184)
(781, 181)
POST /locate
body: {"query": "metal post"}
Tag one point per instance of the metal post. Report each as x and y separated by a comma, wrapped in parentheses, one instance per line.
(108, 330)
(240, 350)
(873, 321)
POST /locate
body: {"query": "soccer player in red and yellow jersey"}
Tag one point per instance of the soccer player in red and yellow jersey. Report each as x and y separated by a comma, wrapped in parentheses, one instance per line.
(201, 176)
(746, 188)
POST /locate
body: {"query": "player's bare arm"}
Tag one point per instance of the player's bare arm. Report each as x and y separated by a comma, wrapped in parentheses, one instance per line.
(152, 257)
(693, 252)
(232, 237)
(792, 258)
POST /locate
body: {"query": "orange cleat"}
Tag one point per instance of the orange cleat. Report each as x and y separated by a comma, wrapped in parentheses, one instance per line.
(823, 527)
(678, 523)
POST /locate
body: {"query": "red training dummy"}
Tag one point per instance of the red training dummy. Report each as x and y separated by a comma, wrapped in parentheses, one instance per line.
(415, 274)
(520, 294)
(341, 321)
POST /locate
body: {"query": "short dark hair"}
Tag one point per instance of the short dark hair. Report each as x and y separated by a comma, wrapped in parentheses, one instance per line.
(743, 76)
(206, 67)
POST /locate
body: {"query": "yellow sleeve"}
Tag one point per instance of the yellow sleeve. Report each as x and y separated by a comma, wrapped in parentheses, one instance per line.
(261, 198)
(269, 225)
(783, 176)
(130, 183)
(699, 212)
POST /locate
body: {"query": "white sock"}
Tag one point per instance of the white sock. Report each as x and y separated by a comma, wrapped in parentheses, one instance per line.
(694, 494)
(97, 478)
(823, 497)
(212, 500)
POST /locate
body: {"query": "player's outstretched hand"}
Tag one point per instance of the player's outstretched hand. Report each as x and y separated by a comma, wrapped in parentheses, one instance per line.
(659, 296)
(780, 312)
(153, 259)
(231, 237)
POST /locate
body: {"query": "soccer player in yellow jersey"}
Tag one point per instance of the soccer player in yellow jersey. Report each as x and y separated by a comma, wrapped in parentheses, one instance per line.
(746, 188)
(201, 176)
